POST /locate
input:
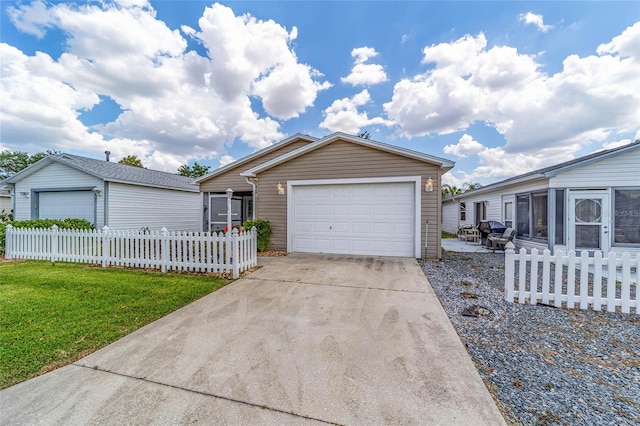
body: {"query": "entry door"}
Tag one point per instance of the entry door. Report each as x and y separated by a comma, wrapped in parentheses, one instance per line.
(589, 221)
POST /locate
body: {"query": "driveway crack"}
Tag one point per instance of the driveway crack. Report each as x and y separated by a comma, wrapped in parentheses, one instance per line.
(334, 285)
(209, 394)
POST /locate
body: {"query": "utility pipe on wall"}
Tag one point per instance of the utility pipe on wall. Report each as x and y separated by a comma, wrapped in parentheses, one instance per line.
(255, 195)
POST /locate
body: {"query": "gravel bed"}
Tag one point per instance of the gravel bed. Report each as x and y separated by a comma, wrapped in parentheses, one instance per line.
(543, 365)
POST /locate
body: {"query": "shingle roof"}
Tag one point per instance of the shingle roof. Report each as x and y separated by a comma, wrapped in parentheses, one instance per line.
(115, 172)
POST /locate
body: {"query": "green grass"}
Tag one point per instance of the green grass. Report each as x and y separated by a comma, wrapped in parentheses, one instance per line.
(448, 235)
(53, 314)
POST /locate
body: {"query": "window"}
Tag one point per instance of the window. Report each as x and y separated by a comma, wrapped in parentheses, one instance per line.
(627, 216)
(540, 226)
(559, 216)
(463, 212)
(508, 214)
(522, 215)
(532, 215)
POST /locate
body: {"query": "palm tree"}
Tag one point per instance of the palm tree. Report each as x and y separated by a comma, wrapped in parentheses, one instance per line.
(450, 190)
(470, 186)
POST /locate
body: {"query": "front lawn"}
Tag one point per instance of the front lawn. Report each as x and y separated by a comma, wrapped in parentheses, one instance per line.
(54, 314)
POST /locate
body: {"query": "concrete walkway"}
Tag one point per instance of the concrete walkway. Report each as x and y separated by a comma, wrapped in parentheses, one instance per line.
(307, 339)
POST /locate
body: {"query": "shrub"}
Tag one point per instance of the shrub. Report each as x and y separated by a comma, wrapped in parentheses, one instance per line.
(69, 223)
(263, 228)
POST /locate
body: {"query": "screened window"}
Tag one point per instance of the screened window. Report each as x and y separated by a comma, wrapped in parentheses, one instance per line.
(559, 216)
(540, 226)
(627, 216)
(463, 212)
(522, 215)
(532, 215)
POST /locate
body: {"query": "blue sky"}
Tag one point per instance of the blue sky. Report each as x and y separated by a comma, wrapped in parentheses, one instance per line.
(500, 88)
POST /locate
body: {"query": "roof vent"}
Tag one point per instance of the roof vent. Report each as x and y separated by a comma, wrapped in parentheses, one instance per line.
(107, 153)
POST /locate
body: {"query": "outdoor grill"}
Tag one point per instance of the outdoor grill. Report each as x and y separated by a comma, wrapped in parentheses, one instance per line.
(487, 227)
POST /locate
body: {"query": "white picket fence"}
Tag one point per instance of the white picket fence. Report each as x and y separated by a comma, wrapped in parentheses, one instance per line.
(537, 283)
(232, 252)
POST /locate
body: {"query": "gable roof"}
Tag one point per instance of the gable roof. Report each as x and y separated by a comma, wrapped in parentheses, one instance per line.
(112, 172)
(552, 171)
(443, 163)
(257, 154)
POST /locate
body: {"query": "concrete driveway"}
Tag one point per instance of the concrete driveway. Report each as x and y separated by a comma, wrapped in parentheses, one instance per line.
(307, 339)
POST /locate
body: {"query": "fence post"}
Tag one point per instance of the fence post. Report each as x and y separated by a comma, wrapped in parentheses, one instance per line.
(254, 246)
(164, 249)
(106, 246)
(8, 242)
(509, 271)
(54, 243)
(235, 256)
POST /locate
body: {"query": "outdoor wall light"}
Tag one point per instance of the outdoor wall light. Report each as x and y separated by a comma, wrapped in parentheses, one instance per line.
(280, 189)
(428, 186)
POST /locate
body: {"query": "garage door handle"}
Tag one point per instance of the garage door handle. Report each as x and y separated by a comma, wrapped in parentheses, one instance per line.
(331, 227)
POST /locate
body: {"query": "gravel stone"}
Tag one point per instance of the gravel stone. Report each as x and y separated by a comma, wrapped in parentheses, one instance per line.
(543, 365)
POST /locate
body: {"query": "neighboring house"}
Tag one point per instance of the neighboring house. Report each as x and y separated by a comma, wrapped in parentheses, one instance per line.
(5, 200)
(337, 194)
(590, 203)
(105, 193)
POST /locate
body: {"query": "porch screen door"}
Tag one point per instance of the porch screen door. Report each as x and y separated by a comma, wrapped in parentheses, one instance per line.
(589, 221)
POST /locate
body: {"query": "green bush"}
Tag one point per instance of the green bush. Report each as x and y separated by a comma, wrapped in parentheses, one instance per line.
(68, 223)
(263, 227)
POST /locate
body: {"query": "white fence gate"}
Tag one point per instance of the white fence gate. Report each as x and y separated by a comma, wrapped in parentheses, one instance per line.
(603, 281)
(232, 252)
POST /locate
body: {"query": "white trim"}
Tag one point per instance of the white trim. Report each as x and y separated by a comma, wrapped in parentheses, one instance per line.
(416, 180)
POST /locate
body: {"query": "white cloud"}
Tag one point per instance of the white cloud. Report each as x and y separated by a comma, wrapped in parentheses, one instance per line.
(363, 74)
(343, 115)
(531, 18)
(177, 105)
(496, 163)
(226, 159)
(465, 146)
(469, 82)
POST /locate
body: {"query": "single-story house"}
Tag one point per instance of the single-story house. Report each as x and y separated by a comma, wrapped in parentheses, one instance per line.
(5, 200)
(589, 203)
(337, 194)
(105, 193)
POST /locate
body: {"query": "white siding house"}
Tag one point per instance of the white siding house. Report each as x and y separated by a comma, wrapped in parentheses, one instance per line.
(591, 203)
(104, 193)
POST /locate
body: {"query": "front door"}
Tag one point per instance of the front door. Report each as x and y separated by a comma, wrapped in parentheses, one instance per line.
(589, 221)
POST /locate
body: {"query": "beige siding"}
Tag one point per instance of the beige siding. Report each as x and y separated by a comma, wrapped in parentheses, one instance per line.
(343, 160)
(232, 179)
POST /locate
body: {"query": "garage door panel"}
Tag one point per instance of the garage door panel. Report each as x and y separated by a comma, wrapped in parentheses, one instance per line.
(67, 204)
(375, 218)
(361, 228)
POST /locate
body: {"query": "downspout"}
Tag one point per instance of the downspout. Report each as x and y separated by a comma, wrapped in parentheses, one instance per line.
(252, 182)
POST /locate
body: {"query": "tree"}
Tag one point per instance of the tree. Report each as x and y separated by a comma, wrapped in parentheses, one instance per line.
(194, 171)
(364, 135)
(132, 160)
(470, 186)
(450, 190)
(11, 162)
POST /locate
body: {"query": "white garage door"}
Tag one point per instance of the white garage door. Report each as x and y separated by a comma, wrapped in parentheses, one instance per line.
(370, 218)
(61, 205)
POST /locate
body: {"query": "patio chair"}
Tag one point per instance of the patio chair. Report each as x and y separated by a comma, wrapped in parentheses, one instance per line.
(469, 233)
(499, 241)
